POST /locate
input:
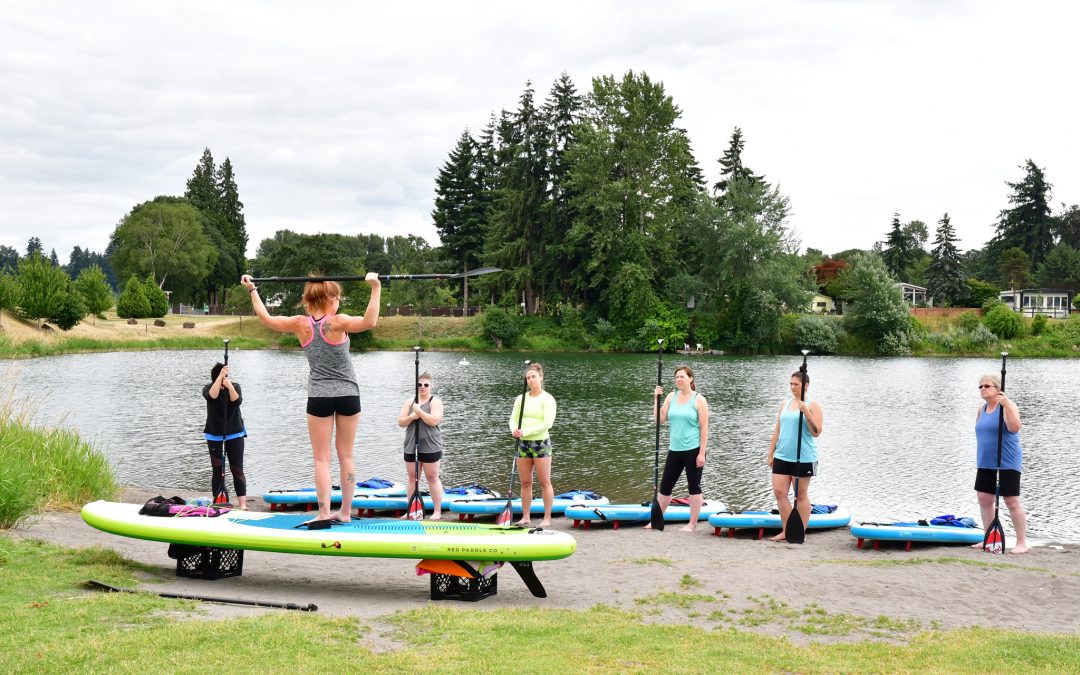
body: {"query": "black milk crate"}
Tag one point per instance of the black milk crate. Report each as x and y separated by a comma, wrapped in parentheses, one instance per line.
(450, 587)
(205, 562)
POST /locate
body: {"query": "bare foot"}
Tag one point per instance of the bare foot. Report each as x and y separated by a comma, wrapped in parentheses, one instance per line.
(547, 523)
(648, 526)
(523, 523)
(435, 516)
(1019, 549)
(978, 546)
(687, 528)
(340, 517)
(779, 537)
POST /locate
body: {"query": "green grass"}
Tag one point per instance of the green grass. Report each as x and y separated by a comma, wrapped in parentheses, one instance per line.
(649, 560)
(51, 624)
(45, 468)
(75, 345)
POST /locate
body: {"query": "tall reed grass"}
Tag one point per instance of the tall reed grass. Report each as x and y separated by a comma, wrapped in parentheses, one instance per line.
(45, 468)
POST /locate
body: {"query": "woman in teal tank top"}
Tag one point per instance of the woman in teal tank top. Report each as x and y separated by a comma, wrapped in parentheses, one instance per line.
(785, 449)
(688, 415)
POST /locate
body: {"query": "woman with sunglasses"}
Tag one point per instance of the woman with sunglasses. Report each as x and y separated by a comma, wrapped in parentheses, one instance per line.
(333, 391)
(995, 404)
(426, 435)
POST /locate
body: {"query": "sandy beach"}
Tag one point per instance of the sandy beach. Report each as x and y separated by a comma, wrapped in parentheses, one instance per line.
(628, 568)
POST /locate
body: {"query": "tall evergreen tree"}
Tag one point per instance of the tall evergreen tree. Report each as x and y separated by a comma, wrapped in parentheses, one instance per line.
(946, 281)
(1067, 225)
(33, 245)
(459, 212)
(513, 236)
(202, 188)
(1027, 224)
(232, 209)
(9, 259)
(894, 251)
(731, 164)
(562, 109)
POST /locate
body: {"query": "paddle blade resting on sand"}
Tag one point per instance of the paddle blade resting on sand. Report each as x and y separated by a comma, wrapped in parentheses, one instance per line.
(994, 540)
(507, 514)
(656, 514)
(795, 529)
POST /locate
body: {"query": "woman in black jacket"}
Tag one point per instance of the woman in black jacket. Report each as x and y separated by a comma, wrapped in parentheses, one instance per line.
(225, 433)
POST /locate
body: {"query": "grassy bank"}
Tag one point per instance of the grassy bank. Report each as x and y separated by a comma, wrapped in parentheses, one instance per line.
(933, 336)
(45, 468)
(53, 625)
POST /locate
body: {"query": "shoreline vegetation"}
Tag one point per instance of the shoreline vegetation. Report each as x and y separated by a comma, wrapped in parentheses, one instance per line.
(962, 334)
(55, 624)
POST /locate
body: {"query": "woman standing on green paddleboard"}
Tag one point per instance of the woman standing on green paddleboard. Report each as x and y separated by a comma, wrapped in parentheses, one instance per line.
(790, 456)
(333, 391)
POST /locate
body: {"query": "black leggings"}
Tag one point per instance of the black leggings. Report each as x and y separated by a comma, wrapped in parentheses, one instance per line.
(676, 461)
(234, 448)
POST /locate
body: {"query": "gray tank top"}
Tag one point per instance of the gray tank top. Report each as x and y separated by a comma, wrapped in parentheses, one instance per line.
(430, 437)
(331, 370)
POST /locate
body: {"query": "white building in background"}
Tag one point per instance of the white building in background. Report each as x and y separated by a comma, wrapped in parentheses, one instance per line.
(913, 295)
(1053, 302)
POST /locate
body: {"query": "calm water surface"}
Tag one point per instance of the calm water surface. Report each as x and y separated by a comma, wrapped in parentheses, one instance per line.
(898, 442)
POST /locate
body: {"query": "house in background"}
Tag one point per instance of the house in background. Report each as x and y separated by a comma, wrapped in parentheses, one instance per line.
(822, 304)
(913, 295)
(1053, 302)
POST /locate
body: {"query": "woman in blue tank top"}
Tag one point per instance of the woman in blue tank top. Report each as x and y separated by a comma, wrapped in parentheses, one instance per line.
(996, 403)
(333, 392)
(687, 412)
(785, 448)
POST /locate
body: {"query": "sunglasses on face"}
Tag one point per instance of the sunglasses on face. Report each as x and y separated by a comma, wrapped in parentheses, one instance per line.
(986, 386)
(425, 385)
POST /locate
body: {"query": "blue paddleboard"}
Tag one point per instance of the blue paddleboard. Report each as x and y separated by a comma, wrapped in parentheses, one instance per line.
(384, 503)
(913, 532)
(493, 506)
(372, 486)
(637, 513)
(766, 520)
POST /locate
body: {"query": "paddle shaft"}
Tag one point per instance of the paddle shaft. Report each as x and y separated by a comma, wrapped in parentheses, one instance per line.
(416, 439)
(795, 530)
(521, 417)
(205, 598)
(656, 512)
(223, 394)
(1001, 430)
(382, 277)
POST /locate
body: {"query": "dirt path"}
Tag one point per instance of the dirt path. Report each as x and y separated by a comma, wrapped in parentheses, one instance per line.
(629, 567)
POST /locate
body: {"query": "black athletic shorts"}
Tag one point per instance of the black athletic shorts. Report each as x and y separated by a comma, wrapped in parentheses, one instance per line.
(1010, 482)
(327, 406)
(800, 469)
(425, 457)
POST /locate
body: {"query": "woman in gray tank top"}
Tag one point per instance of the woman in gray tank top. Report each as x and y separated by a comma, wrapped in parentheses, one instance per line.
(423, 429)
(333, 392)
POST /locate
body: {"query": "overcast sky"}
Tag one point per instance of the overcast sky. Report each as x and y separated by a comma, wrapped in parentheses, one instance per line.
(337, 115)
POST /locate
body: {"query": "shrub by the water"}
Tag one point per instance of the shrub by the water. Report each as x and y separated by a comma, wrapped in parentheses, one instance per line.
(1004, 322)
(1038, 324)
(968, 321)
(501, 327)
(819, 334)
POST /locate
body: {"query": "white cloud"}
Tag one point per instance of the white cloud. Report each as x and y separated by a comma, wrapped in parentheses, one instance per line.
(336, 115)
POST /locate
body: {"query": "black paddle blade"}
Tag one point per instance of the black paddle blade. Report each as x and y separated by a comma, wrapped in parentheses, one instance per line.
(656, 516)
(416, 507)
(506, 515)
(994, 539)
(795, 530)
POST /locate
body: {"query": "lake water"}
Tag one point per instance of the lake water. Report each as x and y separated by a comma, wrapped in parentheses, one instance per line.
(898, 442)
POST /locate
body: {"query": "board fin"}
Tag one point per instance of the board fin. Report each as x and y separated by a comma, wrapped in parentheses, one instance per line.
(528, 575)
